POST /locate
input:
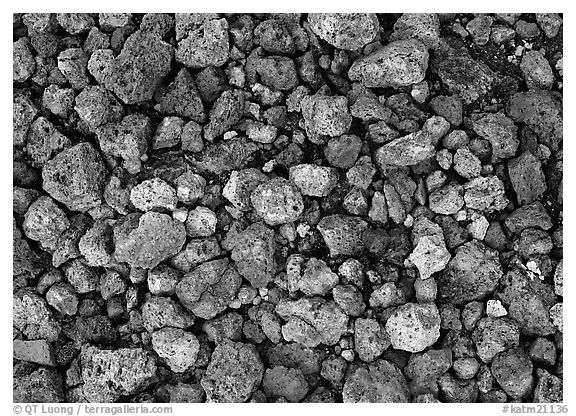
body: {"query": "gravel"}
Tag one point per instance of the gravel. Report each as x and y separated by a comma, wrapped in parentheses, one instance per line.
(255, 207)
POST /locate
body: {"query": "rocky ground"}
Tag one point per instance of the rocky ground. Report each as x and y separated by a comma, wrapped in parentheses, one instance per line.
(287, 208)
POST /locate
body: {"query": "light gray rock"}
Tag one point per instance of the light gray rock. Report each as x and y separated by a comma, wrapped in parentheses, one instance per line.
(398, 64)
(178, 348)
(314, 180)
(414, 327)
(110, 374)
(348, 31)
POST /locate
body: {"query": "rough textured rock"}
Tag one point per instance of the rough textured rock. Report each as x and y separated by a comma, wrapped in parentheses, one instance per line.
(146, 240)
(110, 374)
(406, 151)
(234, 373)
(345, 31)
(178, 348)
(311, 321)
(325, 115)
(253, 253)
(313, 180)
(379, 382)
(137, 71)
(527, 178)
(471, 274)
(75, 177)
(209, 288)
(495, 335)
(44, 385)
(413, 327)
(285, 382)
(541, 110)
(370, 339)
(512, 369)
(288, 207)
(398, 64)
(207, 45)
(342, 234)
(277, 201)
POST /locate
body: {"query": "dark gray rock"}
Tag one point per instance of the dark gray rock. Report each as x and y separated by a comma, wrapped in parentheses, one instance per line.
(75, 177)
(379, 382)
(527, 178)
(471, 274)
(137, 71)
(234, 373)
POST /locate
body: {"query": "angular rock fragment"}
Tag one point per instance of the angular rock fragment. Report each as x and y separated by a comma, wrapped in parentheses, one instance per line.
(471, 274)
(39, 352)
(127, 139)
(348, 31)
(317, 279)
(253, 253)
(313, 180)
(154, 194)
(178, 348)
(181, 98)
(422, 26)
(370, 339)
(398, 64)
(137, 71)
(285, 382)
(226, 112)
(495, 335)
(447, 200)
(45, 222)
(413, 327)
(501, 132)
(240, 186)
(541, 110)
(405, 151)
(485, 193)
(549, 388)
(311, 321)
(528, 216)
(325, 115)
(512, 369)
(379, 382)
(277, 201)
(342, 234)
(527, 178)
(234, 373)
(44, 141)
(97, 106)
(424, 369)
(41, 385)
(147, 240)
(430, 254)
(468, 78)
(209, 288)
(537, 71)
(75, 177)
(110, 374)
(207, 45)
(160, 312)
(32, 316)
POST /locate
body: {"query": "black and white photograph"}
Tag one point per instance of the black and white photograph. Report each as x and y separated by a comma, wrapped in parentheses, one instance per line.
(327, 207)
